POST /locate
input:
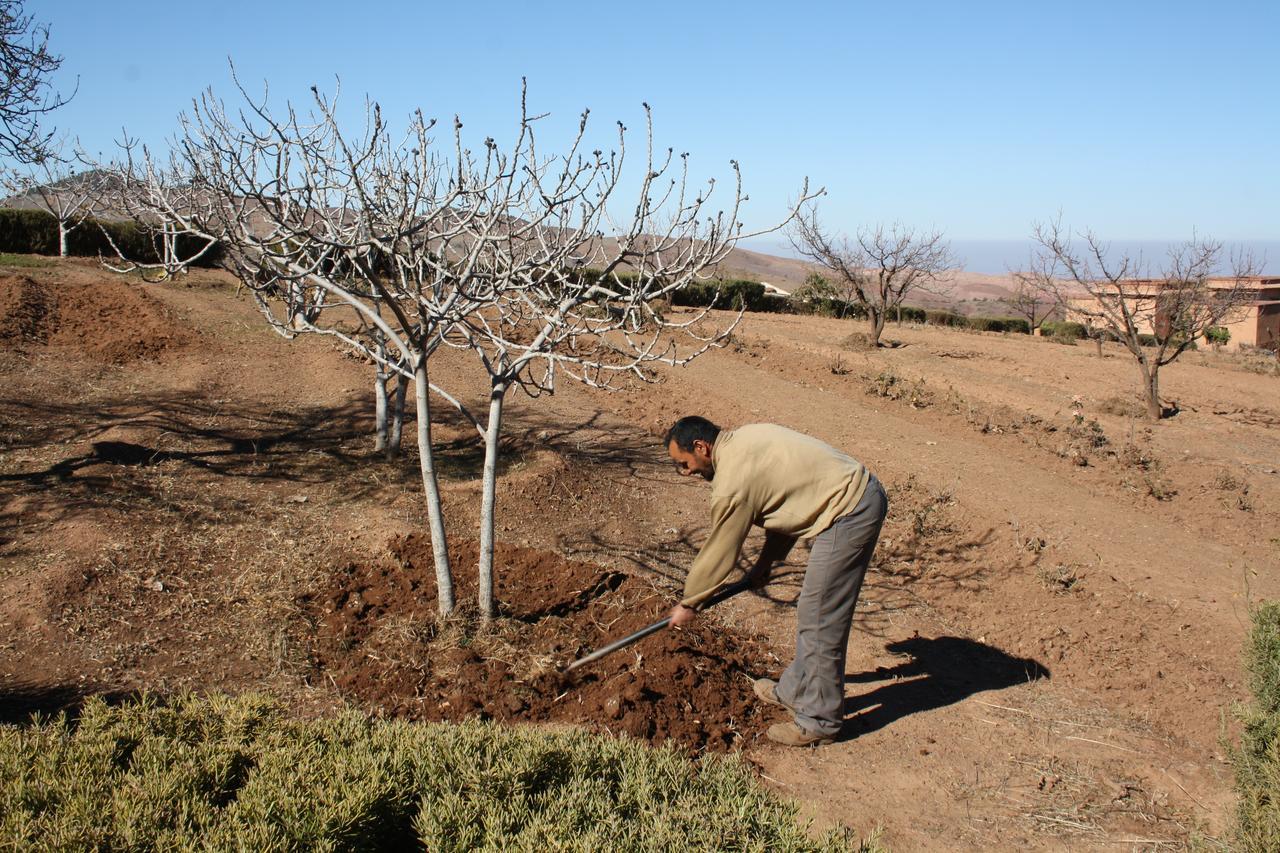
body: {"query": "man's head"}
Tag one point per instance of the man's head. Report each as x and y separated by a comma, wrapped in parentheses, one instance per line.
(689, 443)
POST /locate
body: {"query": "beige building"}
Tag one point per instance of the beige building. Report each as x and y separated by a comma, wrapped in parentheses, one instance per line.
(1256, 323)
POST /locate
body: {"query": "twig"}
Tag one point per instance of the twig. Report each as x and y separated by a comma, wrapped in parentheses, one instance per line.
(1159, 842)
(1035, 717)
(1100, 743)
(1084, 826)
(1184, 790)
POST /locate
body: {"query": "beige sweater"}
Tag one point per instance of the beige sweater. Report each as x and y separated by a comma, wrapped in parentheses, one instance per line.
(790, 484)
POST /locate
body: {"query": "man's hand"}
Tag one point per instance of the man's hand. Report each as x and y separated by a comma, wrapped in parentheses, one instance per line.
(681, 616)
(759, 576)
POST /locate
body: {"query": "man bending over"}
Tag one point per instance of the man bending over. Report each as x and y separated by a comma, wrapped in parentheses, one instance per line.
(795, 487)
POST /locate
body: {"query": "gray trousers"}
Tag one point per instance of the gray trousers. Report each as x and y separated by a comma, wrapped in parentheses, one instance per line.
(813, 686)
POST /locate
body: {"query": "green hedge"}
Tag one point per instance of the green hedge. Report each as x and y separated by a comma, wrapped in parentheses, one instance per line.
(1257, 760)
(1051, 329)
(732, 294)
(824, 306)
(935, 317)
(239, 774)
(35, 232)
(1000, 324)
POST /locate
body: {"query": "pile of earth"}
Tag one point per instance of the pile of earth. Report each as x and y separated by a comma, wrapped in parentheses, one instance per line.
(376, 635)
(107, 320)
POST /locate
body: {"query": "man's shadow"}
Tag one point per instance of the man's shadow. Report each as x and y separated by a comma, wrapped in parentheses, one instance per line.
(941, 671)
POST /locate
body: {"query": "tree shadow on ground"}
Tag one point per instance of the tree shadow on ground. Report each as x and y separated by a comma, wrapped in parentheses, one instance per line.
(83, 457)
(18, 702)
(941, 671)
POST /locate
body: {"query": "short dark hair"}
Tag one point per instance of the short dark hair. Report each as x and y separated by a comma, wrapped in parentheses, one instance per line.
(689, 429)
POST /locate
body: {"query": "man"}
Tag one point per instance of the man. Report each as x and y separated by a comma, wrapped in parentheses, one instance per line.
(795, 487)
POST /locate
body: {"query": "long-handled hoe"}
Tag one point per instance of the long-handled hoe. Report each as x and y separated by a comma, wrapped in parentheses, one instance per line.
(723, 593)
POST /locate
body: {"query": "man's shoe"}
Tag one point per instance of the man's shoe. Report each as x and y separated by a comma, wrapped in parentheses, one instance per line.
(766, 690)
(790, 734)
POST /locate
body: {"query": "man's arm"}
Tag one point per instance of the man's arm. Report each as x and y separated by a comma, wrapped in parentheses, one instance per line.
(730, 522)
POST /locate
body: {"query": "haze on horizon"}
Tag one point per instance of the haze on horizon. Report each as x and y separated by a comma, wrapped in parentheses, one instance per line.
(1145, 122)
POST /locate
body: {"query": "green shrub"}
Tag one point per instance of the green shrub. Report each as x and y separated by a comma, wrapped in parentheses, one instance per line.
(732, 294)
(773, 303)
(223, 774)
(1105, 334)
(1257, 760)
(999, 324)
(910, 314)
(1217, 335)
(935, 317)
(1065, 329)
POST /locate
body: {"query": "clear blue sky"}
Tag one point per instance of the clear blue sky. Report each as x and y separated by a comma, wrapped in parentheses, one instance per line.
(1140, 120)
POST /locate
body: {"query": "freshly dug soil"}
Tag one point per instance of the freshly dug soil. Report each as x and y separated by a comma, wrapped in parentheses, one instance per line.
(377, 636)
(109, 320)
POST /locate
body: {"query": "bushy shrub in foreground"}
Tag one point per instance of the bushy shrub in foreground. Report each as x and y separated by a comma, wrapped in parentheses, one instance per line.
(222, 773)
(1257, 760)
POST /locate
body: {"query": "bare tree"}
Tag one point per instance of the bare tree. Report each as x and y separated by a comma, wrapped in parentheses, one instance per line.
(1035, 294)
(1115, 293)
(162, 200)
(55, 186)
(395, 247)
(878, 269)
(25, 93)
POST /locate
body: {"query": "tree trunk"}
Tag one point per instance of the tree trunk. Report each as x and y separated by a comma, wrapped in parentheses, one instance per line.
(439, 545)
(876, 316)
(1151, 389)
(62, 239)
(488, 500)
(1098, 342)
(397, 416)
(380, 408)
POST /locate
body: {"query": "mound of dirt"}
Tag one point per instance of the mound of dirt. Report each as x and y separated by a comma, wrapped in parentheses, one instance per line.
(25, 309)
(108, 320)
(377, 636)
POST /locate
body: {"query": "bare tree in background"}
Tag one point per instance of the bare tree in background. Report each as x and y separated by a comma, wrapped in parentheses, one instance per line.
(1035, 294)
(398, 247)
(162, 200)
(56, 187)
(1113, 292)
(878, 269)
(25, 93)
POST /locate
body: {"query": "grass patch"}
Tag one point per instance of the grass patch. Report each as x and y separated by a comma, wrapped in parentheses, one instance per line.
(1257, 760)
(9, 259)
(891, 386)
(237, 773)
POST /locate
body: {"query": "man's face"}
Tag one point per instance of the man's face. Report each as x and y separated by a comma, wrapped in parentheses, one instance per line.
(696, 461)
